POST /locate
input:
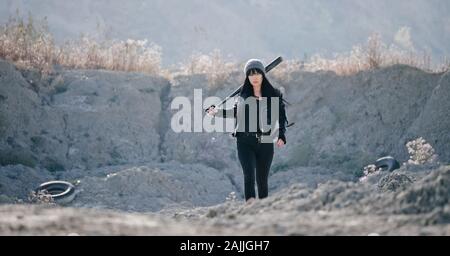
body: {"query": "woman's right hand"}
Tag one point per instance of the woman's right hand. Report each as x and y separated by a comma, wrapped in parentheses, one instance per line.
(212, 111)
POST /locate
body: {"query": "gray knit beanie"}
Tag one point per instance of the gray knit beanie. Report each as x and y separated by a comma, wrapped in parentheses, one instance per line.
(255, 63)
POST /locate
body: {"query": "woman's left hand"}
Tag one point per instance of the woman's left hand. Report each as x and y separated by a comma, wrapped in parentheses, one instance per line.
(280, 143)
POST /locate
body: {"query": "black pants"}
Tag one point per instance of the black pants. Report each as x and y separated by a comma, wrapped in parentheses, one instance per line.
(255, 155)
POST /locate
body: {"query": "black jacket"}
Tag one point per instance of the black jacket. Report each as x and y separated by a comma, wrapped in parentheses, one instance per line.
(238, 107)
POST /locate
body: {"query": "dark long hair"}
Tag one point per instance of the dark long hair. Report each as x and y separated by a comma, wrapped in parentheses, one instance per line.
(267, 90)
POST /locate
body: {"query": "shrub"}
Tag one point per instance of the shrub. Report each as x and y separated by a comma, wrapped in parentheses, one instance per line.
(371, 55)
(130, 55)
(420, 152)
(27, 44)
(31, 45)
(41, 197)
(214, 65)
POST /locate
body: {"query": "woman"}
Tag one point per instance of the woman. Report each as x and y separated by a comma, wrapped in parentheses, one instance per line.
(252, 152)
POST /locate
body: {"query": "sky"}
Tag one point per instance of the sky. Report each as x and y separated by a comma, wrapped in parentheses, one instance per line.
(243, 29)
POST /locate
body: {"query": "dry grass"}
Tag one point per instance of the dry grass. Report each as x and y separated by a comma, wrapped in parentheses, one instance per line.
(130, 55)
(41, 197)
(27, 45)
(283, 72)
(371, 55)
(31, 45)
(213, 65)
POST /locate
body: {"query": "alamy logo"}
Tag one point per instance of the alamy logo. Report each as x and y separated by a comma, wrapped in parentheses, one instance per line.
(190, 116)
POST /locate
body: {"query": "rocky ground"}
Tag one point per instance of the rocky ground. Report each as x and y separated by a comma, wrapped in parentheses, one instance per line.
(384, 205)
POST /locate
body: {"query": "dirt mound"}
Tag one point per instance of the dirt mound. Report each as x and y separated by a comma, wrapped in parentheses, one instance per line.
(395, 181)
(78, 118)
(431, 193)
(44, 220)
(153, 187)
(343, 207)
(333, 208)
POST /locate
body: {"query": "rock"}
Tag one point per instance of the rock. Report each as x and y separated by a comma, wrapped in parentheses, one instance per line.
(80, 119)
(395, 181)
(18, 181)
(433, 123)
(333, 208)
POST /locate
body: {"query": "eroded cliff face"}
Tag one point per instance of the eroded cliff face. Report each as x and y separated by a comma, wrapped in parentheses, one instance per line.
(88, 119)
(79, 119)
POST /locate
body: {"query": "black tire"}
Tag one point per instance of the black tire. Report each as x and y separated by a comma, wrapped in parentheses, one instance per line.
(387, 163)
(62, 192)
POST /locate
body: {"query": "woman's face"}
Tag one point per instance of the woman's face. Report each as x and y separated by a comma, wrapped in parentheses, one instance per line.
(255, 78)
